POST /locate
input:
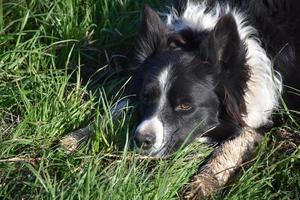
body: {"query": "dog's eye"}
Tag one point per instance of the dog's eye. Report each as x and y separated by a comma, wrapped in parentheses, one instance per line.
(183, 107)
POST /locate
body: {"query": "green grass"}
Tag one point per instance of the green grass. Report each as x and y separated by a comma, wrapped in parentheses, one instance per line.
(47, 48)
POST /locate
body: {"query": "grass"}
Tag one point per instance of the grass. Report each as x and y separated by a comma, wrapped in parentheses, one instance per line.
(47, 51)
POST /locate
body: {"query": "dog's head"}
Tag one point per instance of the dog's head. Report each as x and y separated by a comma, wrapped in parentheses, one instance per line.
(186, 83)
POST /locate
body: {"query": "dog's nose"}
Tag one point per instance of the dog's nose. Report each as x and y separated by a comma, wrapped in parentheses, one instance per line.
(144, 140)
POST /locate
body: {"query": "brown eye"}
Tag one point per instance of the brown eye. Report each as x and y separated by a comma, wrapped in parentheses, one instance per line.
(183, 107)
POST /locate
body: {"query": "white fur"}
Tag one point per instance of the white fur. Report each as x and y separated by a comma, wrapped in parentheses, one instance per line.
(205, 140)
(154, 124)
(163, 79)
(263, 87)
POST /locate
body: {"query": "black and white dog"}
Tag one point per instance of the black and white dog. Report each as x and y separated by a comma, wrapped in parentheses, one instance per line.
(214, 71)
(212, 68)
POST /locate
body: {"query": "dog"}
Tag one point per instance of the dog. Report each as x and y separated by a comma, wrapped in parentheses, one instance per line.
(214, 71)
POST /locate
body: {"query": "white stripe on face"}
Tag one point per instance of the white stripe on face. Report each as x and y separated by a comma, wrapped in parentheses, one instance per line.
(163, 84)
(154, 125)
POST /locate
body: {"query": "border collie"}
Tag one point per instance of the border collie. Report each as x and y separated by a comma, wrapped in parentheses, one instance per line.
(214, 71)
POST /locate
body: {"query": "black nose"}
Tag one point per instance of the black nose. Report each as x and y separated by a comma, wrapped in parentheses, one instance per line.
(144, 140)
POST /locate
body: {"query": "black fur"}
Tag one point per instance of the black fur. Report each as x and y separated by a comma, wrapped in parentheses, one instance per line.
(208, 69)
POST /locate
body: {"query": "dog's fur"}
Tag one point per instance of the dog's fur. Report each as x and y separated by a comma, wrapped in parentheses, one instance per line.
(214, 71)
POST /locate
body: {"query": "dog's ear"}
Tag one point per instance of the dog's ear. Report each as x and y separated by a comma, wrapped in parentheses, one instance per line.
(152, 35)
(225, 43)
(228, 53)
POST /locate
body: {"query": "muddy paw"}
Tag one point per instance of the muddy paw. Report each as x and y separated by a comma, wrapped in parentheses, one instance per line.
(202, 185)
(72, 140)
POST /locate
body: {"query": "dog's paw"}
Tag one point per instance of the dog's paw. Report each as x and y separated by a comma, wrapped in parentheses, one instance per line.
(202, 185)
(71, 141)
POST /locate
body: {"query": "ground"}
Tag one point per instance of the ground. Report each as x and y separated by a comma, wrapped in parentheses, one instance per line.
(60, 64)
